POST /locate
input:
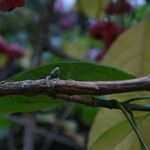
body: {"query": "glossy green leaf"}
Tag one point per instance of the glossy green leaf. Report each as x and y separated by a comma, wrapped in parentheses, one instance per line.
(77, 70)
(82, 71)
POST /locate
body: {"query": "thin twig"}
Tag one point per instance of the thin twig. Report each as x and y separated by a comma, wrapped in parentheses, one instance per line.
(134, 127)
(111, 104)
(138, 99)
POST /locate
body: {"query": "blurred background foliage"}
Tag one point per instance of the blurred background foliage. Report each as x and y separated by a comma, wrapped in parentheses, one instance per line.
(61, 29)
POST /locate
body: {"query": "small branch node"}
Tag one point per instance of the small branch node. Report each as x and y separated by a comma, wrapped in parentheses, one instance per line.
(51, 85)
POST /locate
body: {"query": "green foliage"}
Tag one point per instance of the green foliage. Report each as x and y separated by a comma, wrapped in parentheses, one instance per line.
(82, 71)
(76, 44)
(110, 130)
(76, 70)
(131, 51)
(84, 113)
(94, 8)
(142, 12)
(4, 123)
(11, 22)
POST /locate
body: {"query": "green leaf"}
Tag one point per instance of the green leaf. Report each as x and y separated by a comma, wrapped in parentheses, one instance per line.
(11, 104)
(94, 8)
(76, 70)
(4, 123)
(82, 111)
(111, 131)
(131, 51)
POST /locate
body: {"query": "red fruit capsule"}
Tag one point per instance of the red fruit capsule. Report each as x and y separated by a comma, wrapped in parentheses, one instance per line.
(95, 31)
(7, 5)
(110, 34)
(107, 31)
(118, 7)
(14, 51)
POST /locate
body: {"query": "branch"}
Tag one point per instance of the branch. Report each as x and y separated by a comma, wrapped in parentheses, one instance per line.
(73, 91)
(111, 104)
(70, 87)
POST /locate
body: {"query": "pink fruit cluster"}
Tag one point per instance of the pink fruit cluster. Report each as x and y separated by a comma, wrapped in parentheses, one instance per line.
(12, 50)
(107, 31)
(7, 5)
(118, 7)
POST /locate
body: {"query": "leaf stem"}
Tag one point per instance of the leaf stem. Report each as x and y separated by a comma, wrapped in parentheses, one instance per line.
(138, 98)
(133, 125)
